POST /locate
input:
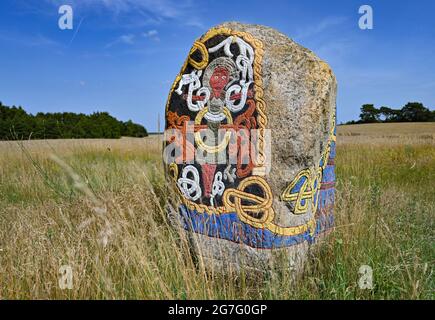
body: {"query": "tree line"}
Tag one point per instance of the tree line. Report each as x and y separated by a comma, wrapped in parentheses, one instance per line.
(17, 124)
(411, 112)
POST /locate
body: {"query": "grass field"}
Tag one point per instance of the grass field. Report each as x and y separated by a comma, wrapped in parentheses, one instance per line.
(97, 206)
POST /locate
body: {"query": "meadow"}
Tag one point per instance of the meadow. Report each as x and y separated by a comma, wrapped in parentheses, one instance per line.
(98, 206)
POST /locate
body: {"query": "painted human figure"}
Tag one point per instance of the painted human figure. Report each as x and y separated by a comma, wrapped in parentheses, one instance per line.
(217, 78)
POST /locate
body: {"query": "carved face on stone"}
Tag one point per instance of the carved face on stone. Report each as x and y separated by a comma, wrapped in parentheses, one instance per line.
(219, 80)
(229, 194)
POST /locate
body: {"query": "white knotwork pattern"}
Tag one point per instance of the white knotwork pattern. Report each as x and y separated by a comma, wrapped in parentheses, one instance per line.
(235, 88)
(230, 174)
(194, 83)
(217, 188)
(190, 187)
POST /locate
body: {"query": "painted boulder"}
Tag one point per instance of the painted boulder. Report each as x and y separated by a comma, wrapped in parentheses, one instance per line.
(250, 147)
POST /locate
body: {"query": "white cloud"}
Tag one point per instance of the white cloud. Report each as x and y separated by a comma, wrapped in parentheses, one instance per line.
(130, 39)
(127, 38)
(123, 39)
(323, 25)
(155, 11)
(152, 34)
(194, 22)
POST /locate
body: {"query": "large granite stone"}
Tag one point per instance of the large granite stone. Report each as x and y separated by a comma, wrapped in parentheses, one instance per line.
(276, 201)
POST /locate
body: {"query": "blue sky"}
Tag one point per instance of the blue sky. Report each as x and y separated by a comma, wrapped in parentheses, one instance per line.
(123, 55)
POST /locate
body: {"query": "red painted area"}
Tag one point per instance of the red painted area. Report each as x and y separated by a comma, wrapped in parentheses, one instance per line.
(208, 171)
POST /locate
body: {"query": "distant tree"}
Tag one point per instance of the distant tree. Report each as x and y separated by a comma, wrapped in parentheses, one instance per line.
(369, 113)
(388, 114)
(415, 112)
(411, 112)
(16, 123)
(130, 129)
(352, 122)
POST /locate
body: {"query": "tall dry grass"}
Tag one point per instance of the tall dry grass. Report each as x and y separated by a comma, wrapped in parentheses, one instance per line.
(98, 206)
